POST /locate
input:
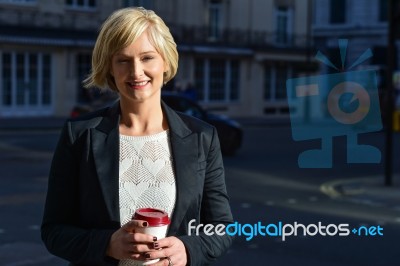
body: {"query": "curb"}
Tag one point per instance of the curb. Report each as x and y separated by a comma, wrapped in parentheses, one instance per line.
(367, 189)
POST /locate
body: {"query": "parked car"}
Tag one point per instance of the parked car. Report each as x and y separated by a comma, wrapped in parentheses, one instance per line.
(230, 132)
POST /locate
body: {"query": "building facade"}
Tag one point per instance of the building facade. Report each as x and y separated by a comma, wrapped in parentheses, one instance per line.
(236, 54)
(365, 25)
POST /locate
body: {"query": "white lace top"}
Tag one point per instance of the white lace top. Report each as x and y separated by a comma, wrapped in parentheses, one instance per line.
(146, 176)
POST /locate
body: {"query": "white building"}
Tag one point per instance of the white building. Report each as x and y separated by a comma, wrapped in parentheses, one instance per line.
(238, 54)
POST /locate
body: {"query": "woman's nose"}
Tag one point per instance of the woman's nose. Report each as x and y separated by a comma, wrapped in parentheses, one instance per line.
(137, 70)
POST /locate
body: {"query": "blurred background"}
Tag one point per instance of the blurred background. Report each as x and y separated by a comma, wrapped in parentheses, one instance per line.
(235, 59)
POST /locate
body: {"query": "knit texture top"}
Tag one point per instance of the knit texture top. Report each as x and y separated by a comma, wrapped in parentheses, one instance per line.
(146, 176)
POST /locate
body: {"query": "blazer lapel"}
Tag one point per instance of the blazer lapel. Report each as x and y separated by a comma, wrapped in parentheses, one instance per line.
(185, 152)
(105, 147)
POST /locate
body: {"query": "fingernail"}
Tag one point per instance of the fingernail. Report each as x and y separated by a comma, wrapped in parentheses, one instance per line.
(145, 224)
(154, 238)
(155, 245)
(147, 255)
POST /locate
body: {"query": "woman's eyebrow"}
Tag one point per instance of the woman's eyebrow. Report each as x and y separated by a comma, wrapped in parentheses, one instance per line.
(147, 52)
(120, 53)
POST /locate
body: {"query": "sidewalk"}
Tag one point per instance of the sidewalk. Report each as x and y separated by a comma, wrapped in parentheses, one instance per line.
(368, 190)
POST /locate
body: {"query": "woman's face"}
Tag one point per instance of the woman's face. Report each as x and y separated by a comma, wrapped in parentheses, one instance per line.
(138, 71)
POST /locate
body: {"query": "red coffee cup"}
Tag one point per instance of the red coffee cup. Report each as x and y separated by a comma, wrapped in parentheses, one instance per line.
(158, 222)
(154, 217)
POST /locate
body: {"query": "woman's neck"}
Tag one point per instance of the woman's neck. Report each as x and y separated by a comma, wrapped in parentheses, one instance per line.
(141, 119)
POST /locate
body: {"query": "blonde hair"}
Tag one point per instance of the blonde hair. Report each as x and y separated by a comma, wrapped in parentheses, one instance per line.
(121, 29)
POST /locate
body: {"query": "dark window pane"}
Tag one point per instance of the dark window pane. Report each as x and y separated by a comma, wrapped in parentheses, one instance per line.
(383, 10)
(69, 2)
(33, 75)
(20, 79)
(234, 82)
(217, 79)
(199, 78)
(282, 25)
(84, 65)
(6, 79)
(92, 3)
(46, 80)
(281, 77)
(337, 11)
(267, 83)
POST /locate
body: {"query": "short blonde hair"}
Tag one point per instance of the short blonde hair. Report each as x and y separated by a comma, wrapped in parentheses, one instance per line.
(121, 29)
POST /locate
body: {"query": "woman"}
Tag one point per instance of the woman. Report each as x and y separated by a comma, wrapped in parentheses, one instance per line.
(136, 153)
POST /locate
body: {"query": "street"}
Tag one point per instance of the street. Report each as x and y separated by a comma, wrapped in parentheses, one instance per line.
(264, 183)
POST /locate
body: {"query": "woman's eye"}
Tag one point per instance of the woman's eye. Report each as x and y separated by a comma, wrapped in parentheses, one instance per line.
(147, 58)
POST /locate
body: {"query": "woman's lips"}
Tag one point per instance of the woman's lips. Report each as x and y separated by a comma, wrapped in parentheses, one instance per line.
(138, 85)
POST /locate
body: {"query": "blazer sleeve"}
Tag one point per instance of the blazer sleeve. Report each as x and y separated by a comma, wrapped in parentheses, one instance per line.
(60, 230)
(215, 209)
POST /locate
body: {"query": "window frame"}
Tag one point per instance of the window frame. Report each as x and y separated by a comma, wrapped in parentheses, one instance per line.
(230, 87)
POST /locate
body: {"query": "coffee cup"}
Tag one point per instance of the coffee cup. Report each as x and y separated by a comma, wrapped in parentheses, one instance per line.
(158, 222)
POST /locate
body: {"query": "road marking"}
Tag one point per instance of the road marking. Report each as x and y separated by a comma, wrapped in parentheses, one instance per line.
(269, 203)
(34, 227)
(313, 199)
(397, 219)
(380, 222)
(253, 246)
(245, 205)
(292, 201)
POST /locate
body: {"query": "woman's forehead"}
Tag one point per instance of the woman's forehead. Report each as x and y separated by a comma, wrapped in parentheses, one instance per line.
(141, 45)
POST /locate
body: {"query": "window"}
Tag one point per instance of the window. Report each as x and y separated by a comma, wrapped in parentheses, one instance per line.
(217, 80)
(383, 10)
(84, 65)
(6, 78)
(337, 11)
(268, 83)
(214, 20)
(275, 77)
(280, 87)
(282, 25)
(200, 78)
(81, 4)
(26, 80)
(148, 4)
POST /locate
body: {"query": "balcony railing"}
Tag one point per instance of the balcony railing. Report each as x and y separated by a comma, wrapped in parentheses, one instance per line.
(237, 38)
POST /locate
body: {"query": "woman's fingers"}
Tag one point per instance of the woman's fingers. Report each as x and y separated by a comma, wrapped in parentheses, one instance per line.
(169, 247)
(126, 243)
(132, 224)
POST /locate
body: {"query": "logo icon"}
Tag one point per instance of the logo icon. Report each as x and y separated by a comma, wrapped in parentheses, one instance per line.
(339, 104)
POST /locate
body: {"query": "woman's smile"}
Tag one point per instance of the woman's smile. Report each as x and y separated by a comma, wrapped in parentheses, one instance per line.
(138, 71)
(138, 85)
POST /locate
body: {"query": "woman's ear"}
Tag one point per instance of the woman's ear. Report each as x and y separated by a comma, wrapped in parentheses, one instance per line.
(166, 67)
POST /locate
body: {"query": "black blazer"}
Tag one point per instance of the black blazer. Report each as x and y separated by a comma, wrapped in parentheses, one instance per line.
(82, 204)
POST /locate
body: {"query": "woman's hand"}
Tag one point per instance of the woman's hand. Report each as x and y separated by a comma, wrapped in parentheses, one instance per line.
(126, 244)
(169, 247)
